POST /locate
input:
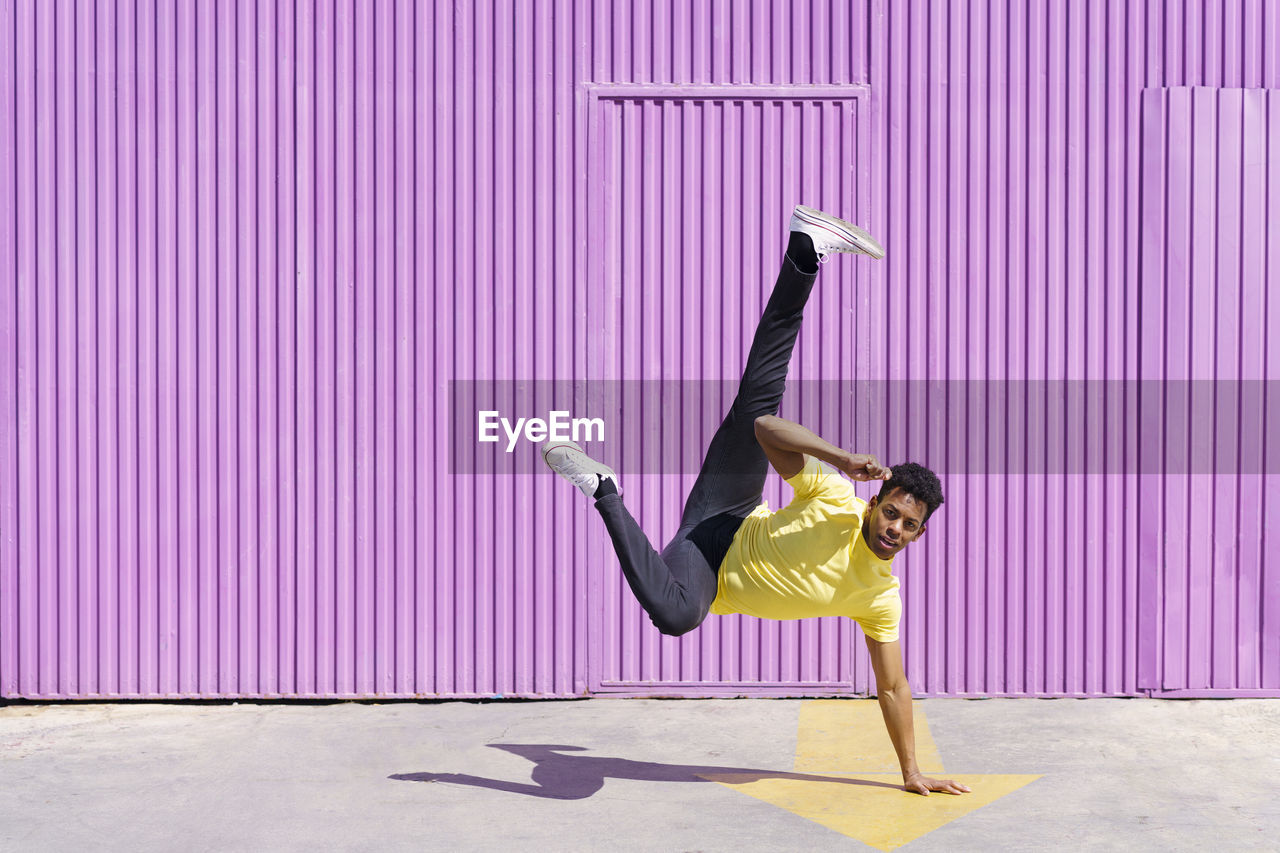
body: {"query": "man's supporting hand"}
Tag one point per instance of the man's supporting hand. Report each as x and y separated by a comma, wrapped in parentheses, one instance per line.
(918, 783)
(894, 694)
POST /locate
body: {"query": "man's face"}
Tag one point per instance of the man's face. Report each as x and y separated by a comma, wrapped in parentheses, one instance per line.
(894, 524)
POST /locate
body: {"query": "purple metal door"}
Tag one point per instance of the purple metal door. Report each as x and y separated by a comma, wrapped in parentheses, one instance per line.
(691, 189)
(1209, 589)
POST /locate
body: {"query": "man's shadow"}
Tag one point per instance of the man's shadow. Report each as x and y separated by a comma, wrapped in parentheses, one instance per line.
(573, 777)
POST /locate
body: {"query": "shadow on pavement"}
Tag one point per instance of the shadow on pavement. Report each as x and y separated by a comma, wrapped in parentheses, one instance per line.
(574, 777)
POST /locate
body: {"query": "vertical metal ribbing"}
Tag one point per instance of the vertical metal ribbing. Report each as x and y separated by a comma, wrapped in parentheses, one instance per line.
(247, 244)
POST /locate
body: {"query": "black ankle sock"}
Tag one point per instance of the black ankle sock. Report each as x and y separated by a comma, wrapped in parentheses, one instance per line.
(800, 250)
(605, 488)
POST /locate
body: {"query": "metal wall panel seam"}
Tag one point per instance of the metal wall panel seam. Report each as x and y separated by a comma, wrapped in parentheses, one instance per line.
(1269, 620)
(8, 354)
(44, 270)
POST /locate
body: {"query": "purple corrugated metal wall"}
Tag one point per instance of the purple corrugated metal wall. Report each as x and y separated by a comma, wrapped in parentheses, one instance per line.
(1211, 217)
(248, 245)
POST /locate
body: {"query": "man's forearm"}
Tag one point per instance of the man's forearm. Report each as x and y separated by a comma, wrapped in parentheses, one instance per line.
(896, 707)
(789, 435)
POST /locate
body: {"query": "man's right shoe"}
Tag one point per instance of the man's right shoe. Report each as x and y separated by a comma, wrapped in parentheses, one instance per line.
(568, 460)
(830, 234)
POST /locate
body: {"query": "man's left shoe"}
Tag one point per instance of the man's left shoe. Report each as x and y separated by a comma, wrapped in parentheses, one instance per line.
(832, 234)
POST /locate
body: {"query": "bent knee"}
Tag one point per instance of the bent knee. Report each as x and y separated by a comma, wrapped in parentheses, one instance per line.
(678, 624)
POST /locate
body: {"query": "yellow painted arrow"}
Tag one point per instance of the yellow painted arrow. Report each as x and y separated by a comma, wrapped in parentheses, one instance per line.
(862, 797)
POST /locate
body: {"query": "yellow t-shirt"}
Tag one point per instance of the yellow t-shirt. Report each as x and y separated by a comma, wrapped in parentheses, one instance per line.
(809, 559)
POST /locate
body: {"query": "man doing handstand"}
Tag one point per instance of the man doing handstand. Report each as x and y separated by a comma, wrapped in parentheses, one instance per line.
(827, 553)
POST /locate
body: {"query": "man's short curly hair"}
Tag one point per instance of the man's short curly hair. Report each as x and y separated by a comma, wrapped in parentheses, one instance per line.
(917, 481)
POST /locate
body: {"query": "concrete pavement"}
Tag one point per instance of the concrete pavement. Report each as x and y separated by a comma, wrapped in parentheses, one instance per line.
(631, 774)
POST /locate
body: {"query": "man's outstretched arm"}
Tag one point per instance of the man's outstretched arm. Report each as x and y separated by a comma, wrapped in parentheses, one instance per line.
(786, 442)
(894, 694)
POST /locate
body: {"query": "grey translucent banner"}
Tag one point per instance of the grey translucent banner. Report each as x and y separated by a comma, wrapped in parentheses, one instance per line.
(954, 427)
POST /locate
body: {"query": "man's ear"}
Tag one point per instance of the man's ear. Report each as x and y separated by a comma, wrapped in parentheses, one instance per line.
(871, 504)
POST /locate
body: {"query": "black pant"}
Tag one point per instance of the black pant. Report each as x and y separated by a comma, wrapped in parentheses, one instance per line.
(676, 588)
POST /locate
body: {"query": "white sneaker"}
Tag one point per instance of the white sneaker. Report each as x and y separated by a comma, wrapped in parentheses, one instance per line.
(830, 234)
(568, 460)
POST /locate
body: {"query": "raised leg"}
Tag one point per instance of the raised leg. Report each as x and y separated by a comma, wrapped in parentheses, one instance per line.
(733, 472)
